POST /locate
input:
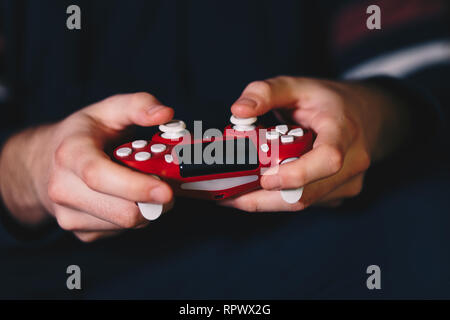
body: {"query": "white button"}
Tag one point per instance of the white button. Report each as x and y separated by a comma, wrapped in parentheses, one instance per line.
(150, 211)
(123, 152)
(265, 147)
(291, 195)
(287, 139)
(174, 135)
(243, 128)
(139, 144)
(297, 132)
(272, 135)
(142, 156)
(159, 147)
(173, 126)
(243, 121)
(282, 128)
(168, 158)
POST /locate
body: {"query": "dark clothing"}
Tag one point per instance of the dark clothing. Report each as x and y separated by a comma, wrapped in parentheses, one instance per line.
(197, 56)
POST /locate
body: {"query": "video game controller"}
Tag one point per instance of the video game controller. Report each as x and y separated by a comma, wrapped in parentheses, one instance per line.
(215, 166)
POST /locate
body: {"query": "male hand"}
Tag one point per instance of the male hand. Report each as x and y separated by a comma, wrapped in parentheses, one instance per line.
(355, 124)
(62, 170)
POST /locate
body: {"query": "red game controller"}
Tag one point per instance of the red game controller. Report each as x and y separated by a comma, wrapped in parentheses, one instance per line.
(216, 165)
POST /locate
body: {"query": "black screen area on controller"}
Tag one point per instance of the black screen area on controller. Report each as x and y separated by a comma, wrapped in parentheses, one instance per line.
(215, 157)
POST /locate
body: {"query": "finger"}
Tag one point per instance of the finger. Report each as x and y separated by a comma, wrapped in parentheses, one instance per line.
(324, 160)
(94, 236)
(262, 201)
(319, 163)
(94, 167)
(271, 201)
(267, 200)
(74, 220)
(350, 189)
(66, 189)
(352, 175)
(329, 204)
(123, 110)
(261, 96)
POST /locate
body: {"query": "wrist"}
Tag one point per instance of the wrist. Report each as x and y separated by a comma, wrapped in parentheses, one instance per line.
(384, 117)
(19, 169)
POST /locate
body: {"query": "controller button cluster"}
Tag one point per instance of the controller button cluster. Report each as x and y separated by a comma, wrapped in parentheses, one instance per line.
(142, 155)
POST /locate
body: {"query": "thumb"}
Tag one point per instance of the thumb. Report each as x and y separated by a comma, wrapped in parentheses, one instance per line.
(260, 97)
(120, 111)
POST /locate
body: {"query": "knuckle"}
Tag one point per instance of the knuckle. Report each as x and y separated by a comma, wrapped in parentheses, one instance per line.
(297, 178)
(364, 161)
(54, 190)
(87, 237)
(351, 127)
(248, 206)
(89, 174)
(66, 152)
(335, 159)
(129, 220)
(356, 188)
(63, 152)
(283, 79)
(299, 206)
(65, 222)
(114, 98)
(261, 87)
(140, 98)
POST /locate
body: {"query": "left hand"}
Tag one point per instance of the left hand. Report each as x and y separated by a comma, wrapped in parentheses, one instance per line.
(350, 119)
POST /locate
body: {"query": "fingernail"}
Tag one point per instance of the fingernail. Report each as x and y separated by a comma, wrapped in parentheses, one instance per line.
(247, 102)
(158, 195)
(271, 182)
(154, 109)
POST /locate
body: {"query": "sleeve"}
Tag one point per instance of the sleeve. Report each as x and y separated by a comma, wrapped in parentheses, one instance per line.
(409, 55)
(11, 232)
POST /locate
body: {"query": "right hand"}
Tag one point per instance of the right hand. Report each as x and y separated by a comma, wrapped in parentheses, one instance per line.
(63, 170)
